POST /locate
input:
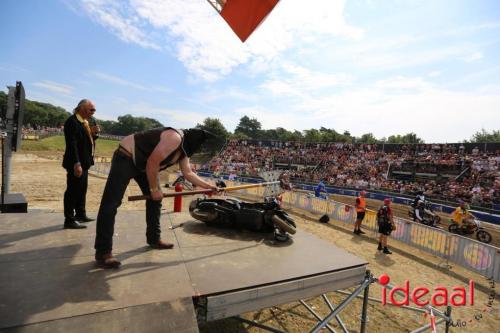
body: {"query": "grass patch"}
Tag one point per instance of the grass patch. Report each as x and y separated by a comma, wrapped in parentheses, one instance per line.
(57, 144)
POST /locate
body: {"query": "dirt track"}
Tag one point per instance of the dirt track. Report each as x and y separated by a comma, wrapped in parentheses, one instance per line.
(402, 211)
(42, 181)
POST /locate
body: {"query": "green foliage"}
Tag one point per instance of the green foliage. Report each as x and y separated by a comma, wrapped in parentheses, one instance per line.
(128, 124)
(249, 127)
(57, 144)
(367, 138)
(214, 125)
(214, 145)
(407, 138)
(484, 136)
(38, 114)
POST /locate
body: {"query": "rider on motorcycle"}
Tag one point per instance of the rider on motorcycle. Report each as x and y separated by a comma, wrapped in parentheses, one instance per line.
(419, 211)
(462, 216)
(419, 198)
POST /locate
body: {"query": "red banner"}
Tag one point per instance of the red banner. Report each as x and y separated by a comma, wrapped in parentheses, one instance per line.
(244, 16)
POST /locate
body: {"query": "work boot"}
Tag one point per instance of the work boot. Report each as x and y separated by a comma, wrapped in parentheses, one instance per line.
(379, 248)
(386, 250)
(356, 231)
(107, 261)
(161, 245)
(84, 219)
(360, 232)
(72, 224)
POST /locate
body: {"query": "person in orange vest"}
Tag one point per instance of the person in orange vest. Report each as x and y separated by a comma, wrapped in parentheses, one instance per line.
(360, 212)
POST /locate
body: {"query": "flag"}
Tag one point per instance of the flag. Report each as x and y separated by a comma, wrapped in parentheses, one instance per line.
(244, 16)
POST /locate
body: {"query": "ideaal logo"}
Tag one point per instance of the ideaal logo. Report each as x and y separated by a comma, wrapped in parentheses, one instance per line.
(422, 296)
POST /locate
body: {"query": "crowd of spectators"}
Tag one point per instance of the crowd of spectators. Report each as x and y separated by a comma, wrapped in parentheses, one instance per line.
(448, 172)
(40, 131)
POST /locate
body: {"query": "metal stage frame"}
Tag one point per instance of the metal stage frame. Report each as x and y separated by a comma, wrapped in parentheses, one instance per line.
(49, 282)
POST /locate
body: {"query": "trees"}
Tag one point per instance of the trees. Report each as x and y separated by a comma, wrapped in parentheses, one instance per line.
(248, 127)
(214, 125)
(407, 138)
(484, 136)
(367, 138)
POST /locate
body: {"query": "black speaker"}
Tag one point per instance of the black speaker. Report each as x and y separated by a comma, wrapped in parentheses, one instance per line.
(324, 219)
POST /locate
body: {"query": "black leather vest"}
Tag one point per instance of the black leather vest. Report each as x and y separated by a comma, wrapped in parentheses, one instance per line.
(146, 142)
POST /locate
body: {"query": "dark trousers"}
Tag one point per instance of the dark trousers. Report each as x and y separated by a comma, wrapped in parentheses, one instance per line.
(121, 172)
(75, 195)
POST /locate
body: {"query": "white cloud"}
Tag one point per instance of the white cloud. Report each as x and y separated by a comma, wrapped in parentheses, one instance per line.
(292, 80)
(435, 73)
(395, 105)
(116, 17)
(55, 87)
(401, 83)
(204, 42)
(116, 80)
(473, 57)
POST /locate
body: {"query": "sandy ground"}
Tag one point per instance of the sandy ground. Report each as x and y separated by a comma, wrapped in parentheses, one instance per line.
(42, 181)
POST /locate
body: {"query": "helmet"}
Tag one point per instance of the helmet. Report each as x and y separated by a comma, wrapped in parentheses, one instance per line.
(462, 203)
(363, 193)
(387, 201)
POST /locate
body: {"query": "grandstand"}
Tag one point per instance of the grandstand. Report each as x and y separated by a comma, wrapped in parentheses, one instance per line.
(448, 172)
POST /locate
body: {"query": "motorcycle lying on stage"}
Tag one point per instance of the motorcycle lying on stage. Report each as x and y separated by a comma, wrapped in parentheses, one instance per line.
(262, 216)
(429, 217)
(471, 228)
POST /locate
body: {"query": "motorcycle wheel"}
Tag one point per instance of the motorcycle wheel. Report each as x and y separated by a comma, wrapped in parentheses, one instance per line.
(453, 228)
(483, 236)
(203, 215)
(283, 225)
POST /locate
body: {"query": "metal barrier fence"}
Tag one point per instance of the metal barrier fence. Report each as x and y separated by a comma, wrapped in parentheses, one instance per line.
(468, 253)
(378, 195)
(471, 254)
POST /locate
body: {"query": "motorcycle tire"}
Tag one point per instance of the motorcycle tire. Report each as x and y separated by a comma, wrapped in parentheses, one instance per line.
(283, 225)
(454, 228)
(204, 216)
(483, 236)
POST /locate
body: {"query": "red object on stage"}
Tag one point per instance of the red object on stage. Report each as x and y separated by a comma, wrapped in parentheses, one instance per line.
(244, 16)
(178, 199)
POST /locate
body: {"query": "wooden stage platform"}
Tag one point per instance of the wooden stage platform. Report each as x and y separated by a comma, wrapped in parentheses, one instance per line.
(49, 283)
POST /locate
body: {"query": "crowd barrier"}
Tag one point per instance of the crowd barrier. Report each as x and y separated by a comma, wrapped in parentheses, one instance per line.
(483, 216)
(471, 254)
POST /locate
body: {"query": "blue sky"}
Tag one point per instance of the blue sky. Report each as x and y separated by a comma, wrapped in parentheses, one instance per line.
(385, 67)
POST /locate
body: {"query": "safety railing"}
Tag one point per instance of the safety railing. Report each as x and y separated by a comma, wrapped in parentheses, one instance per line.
(471, 254)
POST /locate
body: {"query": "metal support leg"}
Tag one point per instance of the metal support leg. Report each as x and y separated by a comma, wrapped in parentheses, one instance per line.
(332, 308)
(448, 322)
(316, 315)
(365, 304)
(342, 305)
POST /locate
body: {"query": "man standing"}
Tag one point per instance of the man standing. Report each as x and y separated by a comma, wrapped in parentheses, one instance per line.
(385, 222)
(320, 188)
(78, 158)
(141, 156)
(360, 212)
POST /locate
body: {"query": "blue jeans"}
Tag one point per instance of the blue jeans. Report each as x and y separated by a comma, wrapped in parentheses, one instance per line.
(122, 171)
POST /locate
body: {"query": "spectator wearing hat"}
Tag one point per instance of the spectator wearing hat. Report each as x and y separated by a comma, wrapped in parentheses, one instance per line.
(141, 156)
